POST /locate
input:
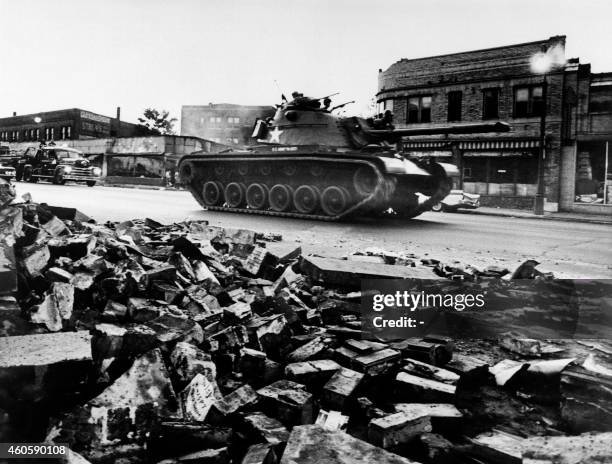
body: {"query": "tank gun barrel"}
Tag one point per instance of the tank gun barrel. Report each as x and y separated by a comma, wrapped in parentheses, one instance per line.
(392, 135)
(342, 105)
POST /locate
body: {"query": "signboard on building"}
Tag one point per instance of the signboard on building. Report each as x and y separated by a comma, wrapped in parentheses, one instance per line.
(95, 117)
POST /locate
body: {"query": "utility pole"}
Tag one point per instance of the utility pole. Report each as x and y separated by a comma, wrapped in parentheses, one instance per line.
(538, 206)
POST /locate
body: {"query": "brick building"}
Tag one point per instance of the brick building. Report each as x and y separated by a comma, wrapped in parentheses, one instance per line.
(223, 122)
(68, 124)
(586, 161)
(567, 108)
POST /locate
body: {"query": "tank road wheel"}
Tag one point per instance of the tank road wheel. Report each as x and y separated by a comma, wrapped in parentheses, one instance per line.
(212, 193)
(219, 170)
(280, 197)
(316, 171)
(364, 181)
(257, 196)
(306, 199)
(265, 170)
(186, 173)
(243, 169)
(235, 194)
(334, 200)
(289, 169)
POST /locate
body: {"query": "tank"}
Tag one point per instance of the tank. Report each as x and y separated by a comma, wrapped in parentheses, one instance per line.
(312, 163)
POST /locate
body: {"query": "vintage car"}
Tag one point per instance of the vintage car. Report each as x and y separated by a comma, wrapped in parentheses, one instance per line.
(56, 164)
(455, 200)
(7, 172)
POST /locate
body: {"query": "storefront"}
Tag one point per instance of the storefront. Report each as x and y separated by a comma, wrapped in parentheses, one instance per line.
(593, 175)
(149, 169)
(503, 172)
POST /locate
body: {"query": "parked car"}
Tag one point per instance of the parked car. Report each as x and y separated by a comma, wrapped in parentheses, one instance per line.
(7, 172)
(58, 165)
(454, 200)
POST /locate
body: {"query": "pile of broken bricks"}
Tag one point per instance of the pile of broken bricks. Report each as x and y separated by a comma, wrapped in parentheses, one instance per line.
(186, 343)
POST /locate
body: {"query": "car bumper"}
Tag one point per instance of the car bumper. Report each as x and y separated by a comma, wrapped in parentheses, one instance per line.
(80, 178)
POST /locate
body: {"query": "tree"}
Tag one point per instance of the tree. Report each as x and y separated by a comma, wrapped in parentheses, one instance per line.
(157, 122)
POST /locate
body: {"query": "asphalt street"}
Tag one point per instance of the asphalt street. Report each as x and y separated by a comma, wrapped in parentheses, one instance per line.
(569, 249)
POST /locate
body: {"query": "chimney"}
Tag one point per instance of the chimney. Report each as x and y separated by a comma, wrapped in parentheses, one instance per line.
(14, 113)
(118, 114)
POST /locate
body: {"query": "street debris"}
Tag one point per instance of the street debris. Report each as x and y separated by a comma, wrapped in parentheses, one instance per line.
(143, 342)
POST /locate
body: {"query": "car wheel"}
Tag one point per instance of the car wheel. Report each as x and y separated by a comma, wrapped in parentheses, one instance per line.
(28, 176)
(438, 207)
(58, 179)
(91, 183)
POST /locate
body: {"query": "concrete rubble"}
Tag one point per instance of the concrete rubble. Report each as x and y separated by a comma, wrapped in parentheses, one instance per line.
(142, 342)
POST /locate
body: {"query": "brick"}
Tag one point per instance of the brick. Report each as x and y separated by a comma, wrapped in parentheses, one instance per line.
(260, 454)
(412, 386)
(45, 349)
(197, 398)
(341, 387)
(188, 361)
(345, 273)
(126, 410)
(262, 428)
(307, 351)
(377, 362)
(240, 398)
(499, 447)
(312, 373)
(588, 448)
(429, 371)
(311, 444)
(288, 402)
(397, 429)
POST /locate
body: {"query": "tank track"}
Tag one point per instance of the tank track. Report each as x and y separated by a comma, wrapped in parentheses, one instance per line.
(360, 180)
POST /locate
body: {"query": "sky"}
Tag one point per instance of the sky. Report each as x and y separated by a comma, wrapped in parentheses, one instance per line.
(97, 55)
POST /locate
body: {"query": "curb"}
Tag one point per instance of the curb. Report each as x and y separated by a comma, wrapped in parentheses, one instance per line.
(549, 217)
(144, 187)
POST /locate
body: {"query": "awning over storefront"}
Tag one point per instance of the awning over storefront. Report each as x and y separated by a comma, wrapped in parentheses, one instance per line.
(499, 145)
(500, 153)
(507, 144)
(433, 153)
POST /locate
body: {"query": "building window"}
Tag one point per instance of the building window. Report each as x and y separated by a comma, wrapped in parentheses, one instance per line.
(51, 133)
(384, 105)
(419, 109)
(490, 103)
(454, 105)
(233, 120)
(528, 101)
(500, 175)
(594, 173)
(600, 99)
(69, 132)
(211, 119)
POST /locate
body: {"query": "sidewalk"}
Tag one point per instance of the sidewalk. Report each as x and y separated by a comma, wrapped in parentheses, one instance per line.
(525, 214)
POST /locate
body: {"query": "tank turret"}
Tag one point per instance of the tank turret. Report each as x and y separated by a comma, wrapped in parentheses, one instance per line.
(310, 162)
(305, 121)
